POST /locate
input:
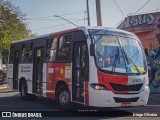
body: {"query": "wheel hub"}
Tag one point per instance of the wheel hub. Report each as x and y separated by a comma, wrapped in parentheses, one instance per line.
(64, 98)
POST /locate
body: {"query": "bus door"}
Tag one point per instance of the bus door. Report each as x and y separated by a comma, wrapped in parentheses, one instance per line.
(79, 71)
(15, 68)
(38, 70)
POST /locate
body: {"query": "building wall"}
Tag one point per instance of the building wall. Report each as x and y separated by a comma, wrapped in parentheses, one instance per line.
(147, 28)
(148, 40)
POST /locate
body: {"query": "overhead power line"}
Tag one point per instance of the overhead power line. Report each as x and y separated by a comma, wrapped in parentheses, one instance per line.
(118, 7)
(55, 26)
(142, 7)
(72, 13)
(118, 23)
(66, 20)
(60, 15)
(155, 10)
(40, 17)
(52, 19)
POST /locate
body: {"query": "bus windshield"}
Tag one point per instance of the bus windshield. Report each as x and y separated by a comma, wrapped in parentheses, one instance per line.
(118, 54)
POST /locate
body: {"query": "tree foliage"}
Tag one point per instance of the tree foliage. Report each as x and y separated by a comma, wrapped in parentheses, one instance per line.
(13, 27)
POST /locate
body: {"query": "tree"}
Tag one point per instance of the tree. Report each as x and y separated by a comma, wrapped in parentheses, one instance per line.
(13, 27)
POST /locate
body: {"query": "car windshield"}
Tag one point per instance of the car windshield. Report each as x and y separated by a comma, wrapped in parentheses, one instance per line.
(118, 54)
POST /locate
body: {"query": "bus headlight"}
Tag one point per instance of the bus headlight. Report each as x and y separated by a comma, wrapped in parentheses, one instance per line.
(98, 86)
(146, 88)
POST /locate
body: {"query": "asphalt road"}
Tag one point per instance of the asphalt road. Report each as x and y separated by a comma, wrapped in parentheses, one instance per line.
(11, 101)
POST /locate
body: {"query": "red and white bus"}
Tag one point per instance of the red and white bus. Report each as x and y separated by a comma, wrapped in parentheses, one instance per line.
(93, 66)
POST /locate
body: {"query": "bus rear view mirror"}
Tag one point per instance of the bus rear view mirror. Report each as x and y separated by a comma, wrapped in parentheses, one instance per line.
(92, 49)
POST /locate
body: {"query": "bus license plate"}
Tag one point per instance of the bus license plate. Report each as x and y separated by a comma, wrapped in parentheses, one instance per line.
(125, 104)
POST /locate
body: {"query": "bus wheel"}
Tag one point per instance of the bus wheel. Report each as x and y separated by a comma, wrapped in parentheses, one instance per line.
(23, 92)
(63, 98)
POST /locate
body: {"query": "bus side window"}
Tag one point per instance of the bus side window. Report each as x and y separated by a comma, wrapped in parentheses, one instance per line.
(26, 53)
(51, 49)
(54, 43)
(64, 48)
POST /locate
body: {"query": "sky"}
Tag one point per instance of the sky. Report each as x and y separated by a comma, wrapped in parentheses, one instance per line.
(41, 20)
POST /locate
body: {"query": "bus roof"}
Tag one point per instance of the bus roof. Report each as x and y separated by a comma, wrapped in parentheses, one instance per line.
(109, 29)
(75, 29)
(46, 35)
(36, 37)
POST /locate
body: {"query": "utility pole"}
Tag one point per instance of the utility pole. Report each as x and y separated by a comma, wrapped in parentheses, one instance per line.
(0, 8)
(88, 17)
(98, 11)
(1, 21)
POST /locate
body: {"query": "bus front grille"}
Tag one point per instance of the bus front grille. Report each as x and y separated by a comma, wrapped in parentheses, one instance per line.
(121, 100)
(122, 88)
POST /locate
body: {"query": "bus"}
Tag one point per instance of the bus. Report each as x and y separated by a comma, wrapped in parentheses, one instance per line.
(92, 66)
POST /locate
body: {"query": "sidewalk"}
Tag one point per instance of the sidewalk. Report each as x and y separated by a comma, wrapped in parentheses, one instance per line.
(154, 99)
(3, 86)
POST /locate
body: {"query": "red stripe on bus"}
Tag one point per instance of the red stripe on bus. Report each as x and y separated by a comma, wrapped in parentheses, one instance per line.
(62, 32)
(86, 93)
(106, 79)
(55, 72)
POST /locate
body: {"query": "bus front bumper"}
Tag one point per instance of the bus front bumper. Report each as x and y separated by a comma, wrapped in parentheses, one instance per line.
(104, 98)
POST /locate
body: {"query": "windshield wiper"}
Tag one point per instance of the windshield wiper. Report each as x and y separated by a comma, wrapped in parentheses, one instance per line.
(129, 59)
(117, 56)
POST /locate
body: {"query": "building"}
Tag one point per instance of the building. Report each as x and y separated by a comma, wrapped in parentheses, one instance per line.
(147, 28)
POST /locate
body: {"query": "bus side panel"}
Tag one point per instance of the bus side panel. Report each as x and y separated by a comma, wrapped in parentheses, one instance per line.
(56, 72)
(44, 79)
(26, 71)
(93, 79)
(92, 72)
(10, 76)
(51, 80)
(86, 93)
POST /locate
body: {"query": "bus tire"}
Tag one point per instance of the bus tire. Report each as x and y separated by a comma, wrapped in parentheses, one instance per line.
(23, 92)
(63, 98)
